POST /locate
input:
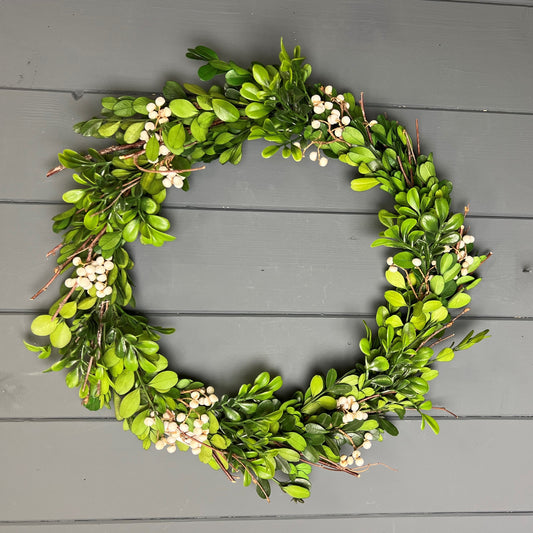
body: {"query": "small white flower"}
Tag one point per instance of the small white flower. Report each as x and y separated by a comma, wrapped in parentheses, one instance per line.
(193, 404)
(108, 290)
(316, 99)
(328, 89)
(76, 261)
(468, 239)
(149, 126)
(177, 181)
(149, 421)
(80, 271)
(298, 145)
(461, 244)
(417, 262)
(89, 269)
(338, 132)
(150, 107)
(163, 120)
(99, 286)
(390, 261)
(346, 120)
(464, 271)
(359, 461)
(333, 119)
(328, 105)
(336, 112)
(372, 123)
(160, 101)
(153, 115)
(100, 294)
(313, 156)
(367, 445)
(446, 248)
(163, 150)
(108, 265)
(166, 112)
(181, 417)
(70, 282)
(340, 98)
(160, 444)
(196, 451)
(213, 398)
(171, 448)
(369, 436)
(393, 268)
(323, 161)
(433, 263)
(167, 182)
(318, 109)
(315, 124)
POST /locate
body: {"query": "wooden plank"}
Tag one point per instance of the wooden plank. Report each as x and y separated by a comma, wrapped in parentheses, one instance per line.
(266, 262)
(396, 48)
(478, 523)
(228, 351)
(463, 144)
(72, 464)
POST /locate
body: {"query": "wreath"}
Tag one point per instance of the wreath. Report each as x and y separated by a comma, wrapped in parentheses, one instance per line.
(112, 353)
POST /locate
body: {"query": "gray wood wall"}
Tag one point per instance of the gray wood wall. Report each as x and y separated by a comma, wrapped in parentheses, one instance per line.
(272, 266)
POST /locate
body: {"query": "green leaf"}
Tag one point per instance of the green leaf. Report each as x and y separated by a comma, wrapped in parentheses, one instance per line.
(130, 403)
(183, 108)
(108, 129)
(152, 149)
(388, 426)
(131, 230)
(61, 335)
(353, 136)
(363, 184)
(124, 382)
(73, 196)
(317, 385)
(124, 108)
(164, 381)
(270, 150)
(395, 299)
(261, 75)
(133, 132)
(109, 241)
(43, 325)
(68, 310)
(431, 422)
(429, 222)
(256, 110)
(459, 300)
(225, 110)
(296, 491)
(396, 279)
(379, 364)
(437, 284)
(296, 441)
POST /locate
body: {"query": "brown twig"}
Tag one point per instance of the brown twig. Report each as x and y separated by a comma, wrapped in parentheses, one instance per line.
(222, 467)
(54, 250)
(442, 340)
(408, 181)
(64, 301)
(108, 150)
(448, 325)
(60, 268)
(362, 106)
(130, 185)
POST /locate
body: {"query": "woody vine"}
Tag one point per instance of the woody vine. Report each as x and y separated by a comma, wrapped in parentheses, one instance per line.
(112, 353)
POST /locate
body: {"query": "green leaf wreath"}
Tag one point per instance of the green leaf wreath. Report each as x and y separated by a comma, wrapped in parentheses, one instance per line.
(112, 353)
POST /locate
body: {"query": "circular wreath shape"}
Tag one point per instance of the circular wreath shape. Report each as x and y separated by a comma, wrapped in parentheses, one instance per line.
(112, 353)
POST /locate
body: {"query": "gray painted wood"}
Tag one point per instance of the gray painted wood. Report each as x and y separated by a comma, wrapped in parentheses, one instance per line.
(237, 275)
(518, 523)
(228, 351)
(411, 52)
(463, 144)
(475, 466)
(267, 262)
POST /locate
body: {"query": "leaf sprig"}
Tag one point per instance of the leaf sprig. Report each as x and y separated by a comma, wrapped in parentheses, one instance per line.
(112, 353)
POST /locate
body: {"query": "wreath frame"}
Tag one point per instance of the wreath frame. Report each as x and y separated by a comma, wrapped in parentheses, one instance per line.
(112, 353)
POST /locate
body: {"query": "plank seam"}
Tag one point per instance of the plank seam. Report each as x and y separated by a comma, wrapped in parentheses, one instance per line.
(264, 314)
(485, 3)
(77, 94)
(251, 518)
(273, 210)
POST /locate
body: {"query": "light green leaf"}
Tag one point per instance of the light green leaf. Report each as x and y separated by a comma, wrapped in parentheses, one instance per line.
(183, 108)
(130, 404)
(317, 385)
(68, 310)
(396, 279)
(353, 136)
(164, 381)
(133, 132)
(395, 299)
(61, 335)
(152, 149)
(124, 382)
(363, 184)
(43, 325)
(459, 300)
(225, 110)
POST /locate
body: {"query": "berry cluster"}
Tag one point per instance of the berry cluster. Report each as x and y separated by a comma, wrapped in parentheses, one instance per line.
(462, 253)
(181, 428)
(335, 115)
(93, 274)
(158, 115)
(349, 406)
(355, 456)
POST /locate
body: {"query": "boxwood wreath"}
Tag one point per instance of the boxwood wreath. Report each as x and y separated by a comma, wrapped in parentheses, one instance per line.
(112, 354)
